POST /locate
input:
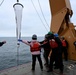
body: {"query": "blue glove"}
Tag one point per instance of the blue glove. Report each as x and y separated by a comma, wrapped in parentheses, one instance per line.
(19, 40)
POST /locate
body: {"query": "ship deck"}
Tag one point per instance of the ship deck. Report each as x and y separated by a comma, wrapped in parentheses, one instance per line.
(25, 69)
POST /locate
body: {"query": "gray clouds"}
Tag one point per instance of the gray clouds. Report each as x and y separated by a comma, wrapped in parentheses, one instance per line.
(30, 21)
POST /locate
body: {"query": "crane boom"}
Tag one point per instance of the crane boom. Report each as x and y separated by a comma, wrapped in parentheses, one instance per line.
(61, 13)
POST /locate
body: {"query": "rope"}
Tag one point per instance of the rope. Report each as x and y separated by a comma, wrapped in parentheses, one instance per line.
(43, 13)
(18, 34)
(1, 2)
(18, 55)
(39, 16)
(17, 42)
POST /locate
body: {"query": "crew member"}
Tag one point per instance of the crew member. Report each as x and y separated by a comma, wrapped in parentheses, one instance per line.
(35, 51)
(46, 46)
(64, 48)
(56, 55)
(59, 62)
(1, 43)
(54, 47)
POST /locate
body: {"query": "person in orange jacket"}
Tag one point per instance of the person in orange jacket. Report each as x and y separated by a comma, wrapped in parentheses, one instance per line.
(56, 55)
(64, 48)
(35, 51)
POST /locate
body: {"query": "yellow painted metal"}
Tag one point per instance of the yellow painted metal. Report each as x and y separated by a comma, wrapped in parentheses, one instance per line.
(60, 23)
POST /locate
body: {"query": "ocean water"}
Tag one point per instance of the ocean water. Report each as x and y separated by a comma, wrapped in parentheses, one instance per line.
(11, 56)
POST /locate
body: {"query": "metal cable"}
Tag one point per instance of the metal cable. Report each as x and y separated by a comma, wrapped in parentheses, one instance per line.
(39, 16)
(18, 55)
(42, 13)
(1, 2)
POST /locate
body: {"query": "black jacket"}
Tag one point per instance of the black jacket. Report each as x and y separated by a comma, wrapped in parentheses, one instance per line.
(1, 43)
(45, 46)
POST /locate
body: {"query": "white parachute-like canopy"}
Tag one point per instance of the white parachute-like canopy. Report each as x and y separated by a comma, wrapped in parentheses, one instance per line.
(18, 16)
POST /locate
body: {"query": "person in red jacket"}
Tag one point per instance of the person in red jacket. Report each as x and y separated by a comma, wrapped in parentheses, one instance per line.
(64, 48)
(1, 43)
(35, 51)
(56, 55)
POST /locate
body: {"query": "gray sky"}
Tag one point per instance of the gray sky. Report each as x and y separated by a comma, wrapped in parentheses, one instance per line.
(31, 23)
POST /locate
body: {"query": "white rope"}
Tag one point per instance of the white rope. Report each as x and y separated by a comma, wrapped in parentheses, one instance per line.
(18, 55)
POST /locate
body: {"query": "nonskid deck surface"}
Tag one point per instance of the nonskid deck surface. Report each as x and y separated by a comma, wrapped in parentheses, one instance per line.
(25, 69)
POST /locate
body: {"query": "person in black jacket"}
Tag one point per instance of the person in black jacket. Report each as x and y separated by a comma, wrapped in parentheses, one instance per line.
(56, 55)
(1, 43)
(59, 61)
(46, 46)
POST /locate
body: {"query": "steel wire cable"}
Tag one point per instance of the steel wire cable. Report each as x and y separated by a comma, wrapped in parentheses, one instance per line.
(42, 13)
(1, 2)
(39, 16)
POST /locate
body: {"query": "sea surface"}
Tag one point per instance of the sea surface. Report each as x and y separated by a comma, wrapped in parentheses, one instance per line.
(11, 55)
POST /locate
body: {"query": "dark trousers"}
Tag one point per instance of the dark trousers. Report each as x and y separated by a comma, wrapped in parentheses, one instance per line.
(34, 61)
(64, 51)
(56, 57)
(46, 54)
(53, 58)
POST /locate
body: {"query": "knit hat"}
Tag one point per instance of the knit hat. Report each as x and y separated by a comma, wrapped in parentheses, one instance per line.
(49, 33)
(34, 36)
(56, 35)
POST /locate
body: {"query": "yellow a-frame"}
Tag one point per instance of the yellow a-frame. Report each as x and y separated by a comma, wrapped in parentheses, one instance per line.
(60, 23)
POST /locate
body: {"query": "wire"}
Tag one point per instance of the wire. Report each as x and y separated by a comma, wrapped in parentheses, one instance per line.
(39, 16)
(1, 2)
(43, 14)
(18, 55)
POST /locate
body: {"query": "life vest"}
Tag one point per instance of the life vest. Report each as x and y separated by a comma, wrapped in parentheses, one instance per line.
(35, 46)
(63, 43)
(53, 43)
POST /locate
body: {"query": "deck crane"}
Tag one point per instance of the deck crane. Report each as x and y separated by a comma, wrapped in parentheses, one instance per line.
(60, 23)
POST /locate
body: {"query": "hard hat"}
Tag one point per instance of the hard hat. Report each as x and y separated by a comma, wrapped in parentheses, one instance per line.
(34, 36)
(56, 35)
(50, 33)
